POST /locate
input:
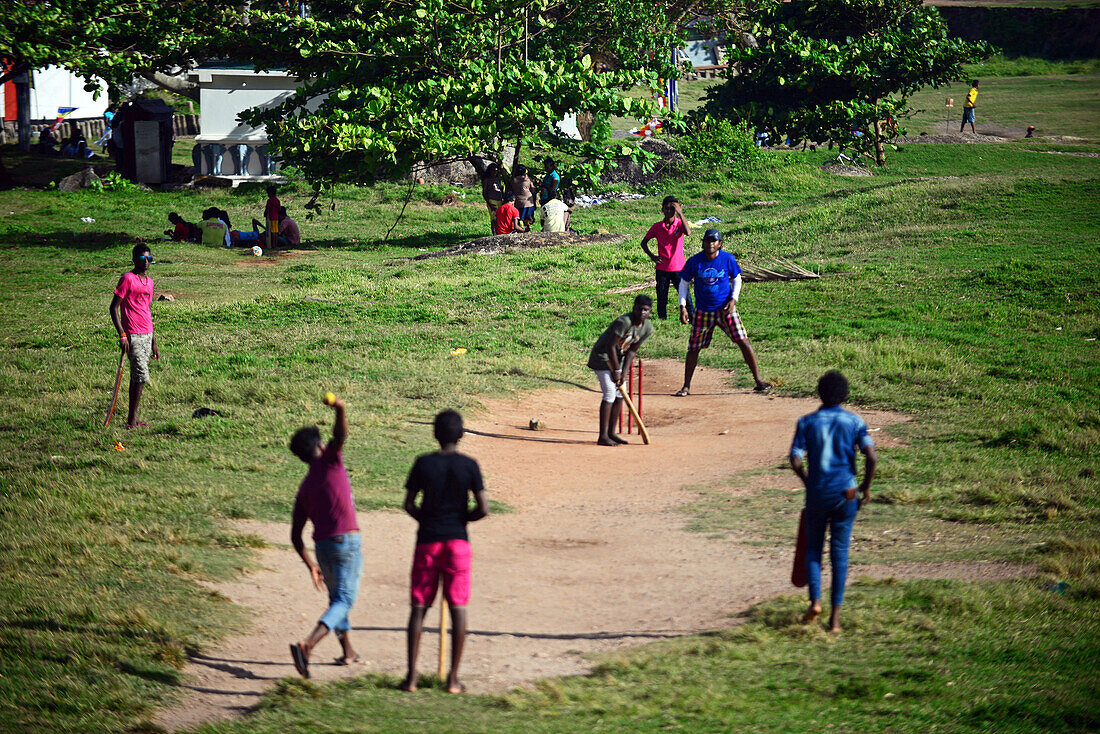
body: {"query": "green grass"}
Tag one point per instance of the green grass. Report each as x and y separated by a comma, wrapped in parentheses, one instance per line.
(961, 289)
(1002, 66)
(916, 657)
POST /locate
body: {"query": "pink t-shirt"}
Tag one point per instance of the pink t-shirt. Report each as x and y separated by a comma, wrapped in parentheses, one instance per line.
(324, 497)
(289, 228)
(670, 244)
(136, 292)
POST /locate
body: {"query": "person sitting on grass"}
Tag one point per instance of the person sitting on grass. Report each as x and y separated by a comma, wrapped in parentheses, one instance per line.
(611, 357)
(828, 441)
(183, 231)
(445, 480)
(46, 141)
(214, 230)
(508, 219)
(289, 234)
(556, 212)
(324, 498)
(717, 279)
(133, 319)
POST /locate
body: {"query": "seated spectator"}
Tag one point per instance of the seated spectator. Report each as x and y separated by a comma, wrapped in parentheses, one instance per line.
(555, 213)
(76, 145)
(183, 231)
(46, 141)
(508, 219)
(289, 235)
(214, 230)
(244, 239)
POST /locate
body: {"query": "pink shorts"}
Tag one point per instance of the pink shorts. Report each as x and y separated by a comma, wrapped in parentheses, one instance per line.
(449, 559)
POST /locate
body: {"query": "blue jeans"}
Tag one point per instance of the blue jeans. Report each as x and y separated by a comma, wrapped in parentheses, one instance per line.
(839, 517)
(341, 560)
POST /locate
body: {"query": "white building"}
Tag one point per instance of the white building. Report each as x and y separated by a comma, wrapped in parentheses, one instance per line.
(52, 88)
(226, 146)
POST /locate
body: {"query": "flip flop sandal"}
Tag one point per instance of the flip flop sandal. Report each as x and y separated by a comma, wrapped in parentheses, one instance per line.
(683, 392)
(298, 654)
(765, 388)
(344, 661)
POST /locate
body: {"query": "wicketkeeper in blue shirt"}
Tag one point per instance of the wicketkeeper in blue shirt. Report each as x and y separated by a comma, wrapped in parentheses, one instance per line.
(828, 440)
(716, 277)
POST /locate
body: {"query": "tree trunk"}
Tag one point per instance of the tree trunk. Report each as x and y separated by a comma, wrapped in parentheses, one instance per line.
(175, 84)
(880, 150)
(515, 156)
(23, 110)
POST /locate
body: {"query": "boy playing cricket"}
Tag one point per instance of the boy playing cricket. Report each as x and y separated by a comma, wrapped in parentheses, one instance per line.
(828, 441)
(445, 479)
(717, 279)
(611, 357)
(324, 498)
(669, 233)
(133, 319)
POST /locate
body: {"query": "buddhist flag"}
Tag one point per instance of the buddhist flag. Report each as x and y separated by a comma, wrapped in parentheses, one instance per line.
(62, 113)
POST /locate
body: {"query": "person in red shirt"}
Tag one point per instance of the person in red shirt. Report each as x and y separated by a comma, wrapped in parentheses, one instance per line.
(324, 498)
(507, 217)
(184, 231)
(271, 214)
(133, 319)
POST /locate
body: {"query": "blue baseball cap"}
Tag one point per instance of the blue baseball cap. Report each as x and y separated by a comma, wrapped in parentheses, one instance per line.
(712, 234)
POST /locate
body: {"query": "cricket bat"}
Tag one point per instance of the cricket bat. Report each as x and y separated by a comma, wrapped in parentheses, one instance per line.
(443, 641)
(118, 384)
(798, 570)
(634, 412)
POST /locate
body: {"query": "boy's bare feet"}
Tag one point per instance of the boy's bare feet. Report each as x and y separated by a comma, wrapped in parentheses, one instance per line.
(455, 687)
(605, 441)
(834, 620)
(812, 613)
(617, 438)
(407, 686)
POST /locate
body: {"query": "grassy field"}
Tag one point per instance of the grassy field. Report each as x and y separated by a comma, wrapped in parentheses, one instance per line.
(962, 289)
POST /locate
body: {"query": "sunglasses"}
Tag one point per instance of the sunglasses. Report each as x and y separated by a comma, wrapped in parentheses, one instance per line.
(146, 258)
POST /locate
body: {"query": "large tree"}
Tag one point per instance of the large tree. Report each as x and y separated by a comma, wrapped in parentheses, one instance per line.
(839, 70)
(389, 85)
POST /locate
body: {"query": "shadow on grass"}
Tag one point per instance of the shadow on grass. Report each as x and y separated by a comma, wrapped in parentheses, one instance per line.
(73, 240)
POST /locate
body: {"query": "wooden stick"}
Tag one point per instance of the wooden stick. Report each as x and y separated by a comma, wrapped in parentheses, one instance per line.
(443, 642)
(118, 384)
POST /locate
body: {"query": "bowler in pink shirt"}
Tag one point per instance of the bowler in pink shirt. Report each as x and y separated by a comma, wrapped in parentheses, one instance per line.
(669, 233)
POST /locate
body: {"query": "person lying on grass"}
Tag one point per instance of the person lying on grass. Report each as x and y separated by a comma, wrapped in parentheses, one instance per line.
(133, 320)
(324, 498)
(717, 279)
(828, 440)
(612, 357)
(445, 479)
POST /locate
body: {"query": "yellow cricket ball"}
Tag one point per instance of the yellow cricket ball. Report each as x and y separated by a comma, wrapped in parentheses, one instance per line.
(330, 399)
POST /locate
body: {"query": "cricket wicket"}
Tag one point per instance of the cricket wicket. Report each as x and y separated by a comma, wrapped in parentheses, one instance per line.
(630, 393)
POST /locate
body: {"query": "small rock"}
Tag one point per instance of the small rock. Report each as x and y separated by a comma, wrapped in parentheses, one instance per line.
(77, 181)
(166, 297)
(537, 424)
(723, 433)
(765, 203)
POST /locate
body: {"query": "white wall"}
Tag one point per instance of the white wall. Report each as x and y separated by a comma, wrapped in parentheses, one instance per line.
(57, 87)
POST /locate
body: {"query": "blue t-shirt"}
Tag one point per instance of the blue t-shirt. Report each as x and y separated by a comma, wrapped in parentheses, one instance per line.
(711, 279)
(549, 188)
(829, 439)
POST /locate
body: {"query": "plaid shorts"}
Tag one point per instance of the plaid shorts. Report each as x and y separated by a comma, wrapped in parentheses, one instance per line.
(702, 328)
(141, 348)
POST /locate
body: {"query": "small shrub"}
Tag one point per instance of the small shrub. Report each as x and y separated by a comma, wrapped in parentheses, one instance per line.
(719, 145)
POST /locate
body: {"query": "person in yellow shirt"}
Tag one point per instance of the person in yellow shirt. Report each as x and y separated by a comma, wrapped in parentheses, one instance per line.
(968, 107)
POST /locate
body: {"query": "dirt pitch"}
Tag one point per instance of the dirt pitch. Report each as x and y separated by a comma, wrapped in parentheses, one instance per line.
(594, 557)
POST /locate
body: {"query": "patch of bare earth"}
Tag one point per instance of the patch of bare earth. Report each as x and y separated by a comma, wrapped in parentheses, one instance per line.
(594, 557)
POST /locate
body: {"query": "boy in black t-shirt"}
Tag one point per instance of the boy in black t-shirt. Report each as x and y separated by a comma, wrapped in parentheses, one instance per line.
(446, 478)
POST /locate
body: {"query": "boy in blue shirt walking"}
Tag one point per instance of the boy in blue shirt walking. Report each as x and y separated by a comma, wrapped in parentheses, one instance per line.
(828, 440)
(717, 279)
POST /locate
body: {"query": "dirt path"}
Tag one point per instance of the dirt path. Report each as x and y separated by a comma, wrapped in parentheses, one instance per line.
(593, 558)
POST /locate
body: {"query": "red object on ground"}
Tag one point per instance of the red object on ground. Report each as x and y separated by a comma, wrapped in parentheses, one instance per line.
(798, 570)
